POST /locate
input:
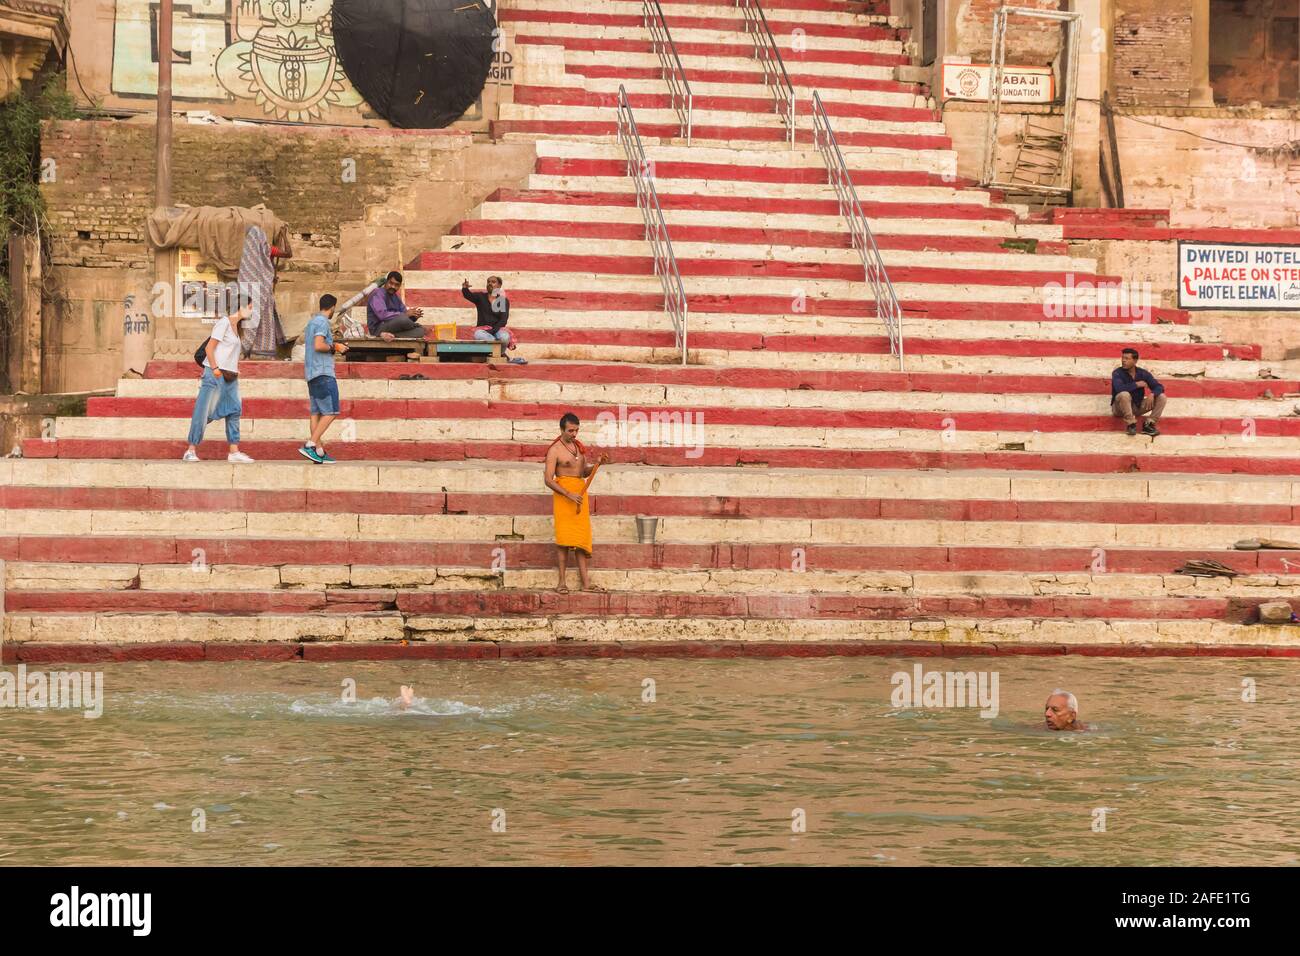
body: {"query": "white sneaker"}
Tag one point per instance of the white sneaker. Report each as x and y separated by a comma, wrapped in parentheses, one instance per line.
(238, 456)
(190, 455)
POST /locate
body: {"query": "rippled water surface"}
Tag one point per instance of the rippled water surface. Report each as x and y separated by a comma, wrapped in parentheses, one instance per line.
(580, 769)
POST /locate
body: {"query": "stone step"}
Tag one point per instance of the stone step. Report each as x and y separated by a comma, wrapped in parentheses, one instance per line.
(737, 104)
(819, 41)
(753, 446)
(736, 65)
(369, 400)
(740, 133)
(667, 186)
(327, 632)
(695, 430)
(682, 15)
(980, 221)
(321, 560)
(751, 156)
(720, 279)
(747, 86)
(510, 243)
(758, 124)
(334, 582)
(525, 603)
(691, 481)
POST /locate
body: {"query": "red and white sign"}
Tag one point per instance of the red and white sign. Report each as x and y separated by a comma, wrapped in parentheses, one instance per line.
(1020, 84)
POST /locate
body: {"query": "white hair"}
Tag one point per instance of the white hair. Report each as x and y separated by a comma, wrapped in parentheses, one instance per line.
(1070, 700)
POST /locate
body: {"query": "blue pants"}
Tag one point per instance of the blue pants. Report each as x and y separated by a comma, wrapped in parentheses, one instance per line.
(502, 336)
(218, 398)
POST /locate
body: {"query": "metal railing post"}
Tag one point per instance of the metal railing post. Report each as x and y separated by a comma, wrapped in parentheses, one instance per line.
(661, 41)
(656, 229)
(769, 58)
(873, 264)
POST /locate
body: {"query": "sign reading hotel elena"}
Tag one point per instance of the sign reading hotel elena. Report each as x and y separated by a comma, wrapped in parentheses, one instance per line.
(1224, 275)
(1020, 84)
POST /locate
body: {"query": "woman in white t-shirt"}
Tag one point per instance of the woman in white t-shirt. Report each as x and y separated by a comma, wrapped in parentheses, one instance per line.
(219, 389)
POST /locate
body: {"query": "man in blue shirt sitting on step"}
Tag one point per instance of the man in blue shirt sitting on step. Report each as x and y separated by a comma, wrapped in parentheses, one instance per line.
(1128, 399)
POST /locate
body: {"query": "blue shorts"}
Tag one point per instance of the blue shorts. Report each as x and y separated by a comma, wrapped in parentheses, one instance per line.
(324, 392)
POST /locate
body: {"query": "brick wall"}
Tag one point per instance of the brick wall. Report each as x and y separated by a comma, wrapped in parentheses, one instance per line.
(1029, 42)
(103, 180)
(1152, 55)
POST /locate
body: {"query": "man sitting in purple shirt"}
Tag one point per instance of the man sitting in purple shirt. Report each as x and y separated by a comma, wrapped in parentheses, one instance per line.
(387, 315)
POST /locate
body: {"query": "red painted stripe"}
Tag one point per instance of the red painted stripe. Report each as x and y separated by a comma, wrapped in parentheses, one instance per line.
(702, 132)
(802, 418)
(758, 103)
(298, 501)
(658, 605)
(264, 552)
(667, 169)
(712, 456)
(44, 653)
(744, 50)
(725, 376)
(580, 300)
(541, 262)
(677, 21)
(759, 204)
(751, 76)
(729, 234)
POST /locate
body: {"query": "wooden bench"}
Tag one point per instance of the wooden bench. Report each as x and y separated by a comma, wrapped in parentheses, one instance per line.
(377, 350)
(467, 351)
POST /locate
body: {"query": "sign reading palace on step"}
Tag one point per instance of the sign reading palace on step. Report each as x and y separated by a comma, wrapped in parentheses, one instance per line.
(1020, 84)
(1229, 275)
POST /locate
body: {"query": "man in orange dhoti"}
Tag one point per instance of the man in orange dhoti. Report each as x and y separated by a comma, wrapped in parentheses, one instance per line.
(566, 468)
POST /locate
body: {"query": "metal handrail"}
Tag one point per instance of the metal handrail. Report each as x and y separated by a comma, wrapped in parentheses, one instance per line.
(837, 171)
(661, 40)
(656, 229)
(769, 58)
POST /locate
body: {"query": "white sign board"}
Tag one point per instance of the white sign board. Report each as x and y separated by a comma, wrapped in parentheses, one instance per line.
(1229, 275)
(1020, 84)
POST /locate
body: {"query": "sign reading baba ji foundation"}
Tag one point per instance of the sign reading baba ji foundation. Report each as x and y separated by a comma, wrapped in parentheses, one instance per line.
(1020, 84)
(1225, 275)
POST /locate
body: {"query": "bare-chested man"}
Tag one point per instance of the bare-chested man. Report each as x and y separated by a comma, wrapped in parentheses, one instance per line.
(567, 465)
(1061, 712)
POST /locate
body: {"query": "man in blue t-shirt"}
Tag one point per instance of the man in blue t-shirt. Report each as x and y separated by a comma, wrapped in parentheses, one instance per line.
(322, 385)
(1128, 399)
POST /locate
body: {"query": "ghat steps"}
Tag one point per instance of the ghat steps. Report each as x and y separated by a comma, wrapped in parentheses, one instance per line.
(981, 496)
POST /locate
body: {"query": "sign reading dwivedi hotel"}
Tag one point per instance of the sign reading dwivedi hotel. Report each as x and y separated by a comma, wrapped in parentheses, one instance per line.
(1020, 84)
(1227, 275)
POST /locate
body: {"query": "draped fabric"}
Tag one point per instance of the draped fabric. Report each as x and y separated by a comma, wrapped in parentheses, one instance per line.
(263, 333)
(572, 524)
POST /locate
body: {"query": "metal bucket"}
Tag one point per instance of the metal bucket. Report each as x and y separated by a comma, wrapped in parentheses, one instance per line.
(646, 528)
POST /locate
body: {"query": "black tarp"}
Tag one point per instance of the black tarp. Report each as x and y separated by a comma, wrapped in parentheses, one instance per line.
(419, 63)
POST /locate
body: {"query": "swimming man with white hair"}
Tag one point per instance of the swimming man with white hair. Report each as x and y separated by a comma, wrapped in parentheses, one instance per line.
(1061, 712)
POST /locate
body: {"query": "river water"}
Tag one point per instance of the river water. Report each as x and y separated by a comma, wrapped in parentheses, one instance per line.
(750, 762)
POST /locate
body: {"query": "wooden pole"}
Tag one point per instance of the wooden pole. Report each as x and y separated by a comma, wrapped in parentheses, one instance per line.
(162, 189)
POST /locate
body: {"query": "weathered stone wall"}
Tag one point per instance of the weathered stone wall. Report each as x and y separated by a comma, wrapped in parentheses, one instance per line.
(1208, 183)
(357, 201)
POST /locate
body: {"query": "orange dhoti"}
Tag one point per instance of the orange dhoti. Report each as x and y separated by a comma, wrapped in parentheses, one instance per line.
(572, 524)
